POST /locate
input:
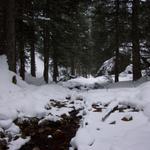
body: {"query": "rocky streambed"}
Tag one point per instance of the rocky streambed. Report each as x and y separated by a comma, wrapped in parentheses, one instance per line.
(50, 135)
(51, 132)
(54, 132)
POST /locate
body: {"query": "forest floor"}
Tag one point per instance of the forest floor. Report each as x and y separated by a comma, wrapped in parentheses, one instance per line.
(92, 115)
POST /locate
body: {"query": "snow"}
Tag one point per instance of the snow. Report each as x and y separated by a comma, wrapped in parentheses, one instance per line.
(13, 129)
(82, 140)
(39, 80)
(15, 145)
(5, 124)
(106, 136)
(147, 110)
(107, 66)
(111, 136)
(50, 136)
(28, 100)
(43, 18)
(50, 118)
(128, 69)
(24, 99)
(87, 83)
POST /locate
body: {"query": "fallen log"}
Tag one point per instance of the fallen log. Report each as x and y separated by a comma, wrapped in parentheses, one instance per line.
(111, 108)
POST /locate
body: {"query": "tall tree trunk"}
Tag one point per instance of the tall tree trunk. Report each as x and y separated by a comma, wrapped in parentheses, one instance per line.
(32, 39)
(46, 55)
(117, 42)
(32, 55)
(3, 27)
(72, 66)
(22, 57)
(46, 43)
(55, 66)
(135, 41)
(10, 29)
(21, 43)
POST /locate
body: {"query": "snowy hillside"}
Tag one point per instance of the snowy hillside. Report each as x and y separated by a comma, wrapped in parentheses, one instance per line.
(24, 100)
(112, 118)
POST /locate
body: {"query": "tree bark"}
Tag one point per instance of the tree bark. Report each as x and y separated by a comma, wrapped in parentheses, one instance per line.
(55, 66)
(117, 42)
(32, 54)
(46, 55)
(22, 57)
(21, 43)
(46, 43)
(10, 33)
(32, 38)
(72, 66)
(3, 27)
(135, 41)
(33, 67)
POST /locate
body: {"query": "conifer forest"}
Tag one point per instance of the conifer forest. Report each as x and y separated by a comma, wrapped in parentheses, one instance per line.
(74, 74)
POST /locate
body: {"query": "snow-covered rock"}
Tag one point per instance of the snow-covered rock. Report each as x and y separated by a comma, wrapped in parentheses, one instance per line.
(82, 83)
(108, 66)
(17, 144)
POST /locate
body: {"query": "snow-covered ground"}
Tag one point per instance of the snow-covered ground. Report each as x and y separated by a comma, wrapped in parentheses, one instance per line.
(26, 100)
(95, 134)
(39, 80)
(113, 133)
